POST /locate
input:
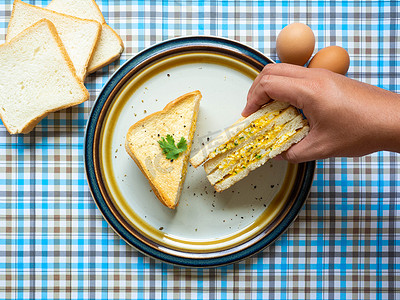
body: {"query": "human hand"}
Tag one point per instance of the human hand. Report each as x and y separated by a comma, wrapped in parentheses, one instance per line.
(346, 117)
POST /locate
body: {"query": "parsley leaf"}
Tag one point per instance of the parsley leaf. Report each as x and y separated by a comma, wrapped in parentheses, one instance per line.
(169, 148)
(182, 144)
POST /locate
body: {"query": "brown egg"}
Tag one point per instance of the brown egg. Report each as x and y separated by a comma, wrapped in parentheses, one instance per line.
(295, 44)
(333, 58)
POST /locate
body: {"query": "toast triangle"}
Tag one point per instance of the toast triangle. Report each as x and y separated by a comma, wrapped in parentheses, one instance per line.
(178, 119)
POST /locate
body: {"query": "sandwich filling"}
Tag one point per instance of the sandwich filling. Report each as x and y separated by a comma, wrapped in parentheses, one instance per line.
(252, 129)
(261, 147)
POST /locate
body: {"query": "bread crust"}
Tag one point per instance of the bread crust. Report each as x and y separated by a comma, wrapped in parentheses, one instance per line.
(163, 197)
(29, 126)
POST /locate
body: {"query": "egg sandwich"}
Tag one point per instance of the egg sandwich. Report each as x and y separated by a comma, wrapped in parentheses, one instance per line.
(251, 142)
(160, 145)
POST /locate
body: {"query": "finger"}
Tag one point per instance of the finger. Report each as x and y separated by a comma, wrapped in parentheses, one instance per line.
(287, 70)
(255, 102)
(285, 89)
(303, 151)
(282, 69)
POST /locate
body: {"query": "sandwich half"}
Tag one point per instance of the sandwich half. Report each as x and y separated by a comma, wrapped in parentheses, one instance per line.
(145, 143)
(250, 143)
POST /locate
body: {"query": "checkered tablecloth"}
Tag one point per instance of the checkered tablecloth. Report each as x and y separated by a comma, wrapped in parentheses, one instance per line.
(55, 244)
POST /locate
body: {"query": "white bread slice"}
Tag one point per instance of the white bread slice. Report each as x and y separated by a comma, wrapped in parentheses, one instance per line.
(84, 9)
(228, 182)
(284, 136)
(233, 130)
(110, 45)
(108, 49)
(178, 119)
(36, 78)
(79, 36)
(287, 115)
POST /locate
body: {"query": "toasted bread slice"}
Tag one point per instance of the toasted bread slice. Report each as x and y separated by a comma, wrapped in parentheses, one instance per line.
(110, 45)
(36, 77)
(178, 119)
(79, 36)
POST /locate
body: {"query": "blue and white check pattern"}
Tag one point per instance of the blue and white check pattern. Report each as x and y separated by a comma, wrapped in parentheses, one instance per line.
(54, 243)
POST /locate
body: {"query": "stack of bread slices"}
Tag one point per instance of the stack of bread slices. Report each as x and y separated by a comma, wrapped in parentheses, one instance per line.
(46, 57)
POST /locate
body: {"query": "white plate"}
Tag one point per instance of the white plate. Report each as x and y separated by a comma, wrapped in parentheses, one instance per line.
(206, 224)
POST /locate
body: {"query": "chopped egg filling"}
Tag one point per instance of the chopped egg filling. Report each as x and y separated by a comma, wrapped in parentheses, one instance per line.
(253, 128)
(261, 147)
